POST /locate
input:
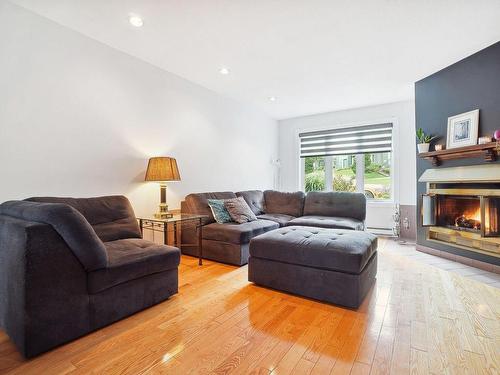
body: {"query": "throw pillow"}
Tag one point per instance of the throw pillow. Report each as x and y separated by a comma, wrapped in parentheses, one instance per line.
(239, 210)
(221, 215)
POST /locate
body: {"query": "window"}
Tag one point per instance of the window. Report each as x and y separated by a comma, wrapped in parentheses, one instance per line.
(377, 176)
(349, 159)
(343, 178)
(314, 172)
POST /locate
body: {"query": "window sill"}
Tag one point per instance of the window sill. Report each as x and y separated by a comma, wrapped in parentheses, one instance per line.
(380, 203)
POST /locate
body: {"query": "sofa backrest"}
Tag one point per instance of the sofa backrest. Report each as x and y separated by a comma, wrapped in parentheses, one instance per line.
(196, 203)
(112, 217)
(335, 203)
(70, 224)
(254, 199)
(277, 202)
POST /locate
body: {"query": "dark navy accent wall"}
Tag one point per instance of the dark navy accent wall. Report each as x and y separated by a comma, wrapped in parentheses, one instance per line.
(472, 83)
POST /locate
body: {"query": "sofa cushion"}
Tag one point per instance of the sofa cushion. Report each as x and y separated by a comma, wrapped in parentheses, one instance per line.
(335, 203)
(278, 218)
(237, 233)
(277, 202)
(239, 211)
(112, 217)
(328, 222)
(331, 249)
(196, 203)
(131, 259)
(219, 211)
(254, 199)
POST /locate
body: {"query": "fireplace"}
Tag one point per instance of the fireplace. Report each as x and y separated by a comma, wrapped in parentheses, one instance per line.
(470, 213)
(459, 212)
(463, 209)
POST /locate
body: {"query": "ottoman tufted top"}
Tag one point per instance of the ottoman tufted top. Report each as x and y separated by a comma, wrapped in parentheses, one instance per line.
(332, 249)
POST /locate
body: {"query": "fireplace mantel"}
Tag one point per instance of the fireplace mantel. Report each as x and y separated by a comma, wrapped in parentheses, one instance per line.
(485, 173)
(488, 151)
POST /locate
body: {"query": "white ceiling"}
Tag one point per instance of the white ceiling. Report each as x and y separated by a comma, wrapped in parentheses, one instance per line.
(314, 56)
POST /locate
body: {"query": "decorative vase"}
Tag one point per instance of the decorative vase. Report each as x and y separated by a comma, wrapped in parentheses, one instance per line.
(496, 135)
(423, 147)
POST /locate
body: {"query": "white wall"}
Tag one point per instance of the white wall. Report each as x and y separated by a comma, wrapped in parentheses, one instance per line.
(78, 118)
(403, 116)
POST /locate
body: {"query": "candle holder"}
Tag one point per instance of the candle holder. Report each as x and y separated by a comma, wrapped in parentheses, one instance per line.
(484, 140)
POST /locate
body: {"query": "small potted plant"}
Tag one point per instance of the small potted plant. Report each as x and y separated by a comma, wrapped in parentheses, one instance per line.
(423, 141)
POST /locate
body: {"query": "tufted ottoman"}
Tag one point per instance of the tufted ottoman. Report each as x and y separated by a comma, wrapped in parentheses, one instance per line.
(331, 265)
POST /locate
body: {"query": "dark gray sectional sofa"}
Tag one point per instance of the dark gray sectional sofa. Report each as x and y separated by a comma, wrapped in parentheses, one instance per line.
(71, 266)
(229, 243)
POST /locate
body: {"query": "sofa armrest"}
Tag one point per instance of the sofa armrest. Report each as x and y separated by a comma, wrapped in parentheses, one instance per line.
(43, 287)
(70, 224)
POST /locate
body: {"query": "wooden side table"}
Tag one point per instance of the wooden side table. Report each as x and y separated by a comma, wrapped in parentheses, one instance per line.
(161, 225)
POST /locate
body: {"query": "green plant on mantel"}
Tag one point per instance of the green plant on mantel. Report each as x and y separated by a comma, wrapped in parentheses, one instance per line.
(424, 138)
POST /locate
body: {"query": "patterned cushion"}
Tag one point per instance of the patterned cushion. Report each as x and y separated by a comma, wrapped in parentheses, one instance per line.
(221, 215)
(239, 210)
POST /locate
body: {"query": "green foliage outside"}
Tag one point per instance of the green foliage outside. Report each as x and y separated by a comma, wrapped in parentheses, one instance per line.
(368, 162)
(312, 163)
(341, 183)
(315, 181)
(377, 178)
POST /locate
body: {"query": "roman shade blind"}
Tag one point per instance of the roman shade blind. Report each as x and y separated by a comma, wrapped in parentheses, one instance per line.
(347, 141)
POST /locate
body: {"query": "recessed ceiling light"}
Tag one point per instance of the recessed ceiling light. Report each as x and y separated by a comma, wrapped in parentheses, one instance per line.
(136, 21)
(272, 98)
(224, 71)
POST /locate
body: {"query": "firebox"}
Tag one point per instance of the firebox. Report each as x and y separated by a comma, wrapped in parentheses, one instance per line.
(459, 212)
(469, 213)
(463, 210)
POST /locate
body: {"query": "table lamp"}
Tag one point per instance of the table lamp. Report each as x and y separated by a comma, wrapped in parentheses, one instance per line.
(162, 169)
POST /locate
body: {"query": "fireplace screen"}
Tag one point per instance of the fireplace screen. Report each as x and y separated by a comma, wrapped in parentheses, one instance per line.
(476, 214)
(491, 216)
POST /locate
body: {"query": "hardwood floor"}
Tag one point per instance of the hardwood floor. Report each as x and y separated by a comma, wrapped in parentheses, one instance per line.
(470, 272)
(418, 319)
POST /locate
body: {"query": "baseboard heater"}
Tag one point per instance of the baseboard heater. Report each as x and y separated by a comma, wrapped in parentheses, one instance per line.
(381, 231)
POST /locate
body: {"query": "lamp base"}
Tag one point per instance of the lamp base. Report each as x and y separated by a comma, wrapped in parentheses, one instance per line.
(163, 212)
(163, 215)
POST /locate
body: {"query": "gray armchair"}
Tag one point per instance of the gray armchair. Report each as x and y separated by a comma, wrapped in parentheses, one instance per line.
(70, 266)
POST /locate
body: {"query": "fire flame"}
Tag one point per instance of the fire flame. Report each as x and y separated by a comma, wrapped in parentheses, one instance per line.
(472, 217)
(476, 215)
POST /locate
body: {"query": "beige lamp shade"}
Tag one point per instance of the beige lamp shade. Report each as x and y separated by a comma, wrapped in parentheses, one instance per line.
(162, 169)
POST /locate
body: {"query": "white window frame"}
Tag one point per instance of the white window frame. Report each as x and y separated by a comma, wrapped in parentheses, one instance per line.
(394, 163)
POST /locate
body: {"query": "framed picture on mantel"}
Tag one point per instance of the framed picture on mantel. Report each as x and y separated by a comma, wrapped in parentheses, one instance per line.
(463, 129)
